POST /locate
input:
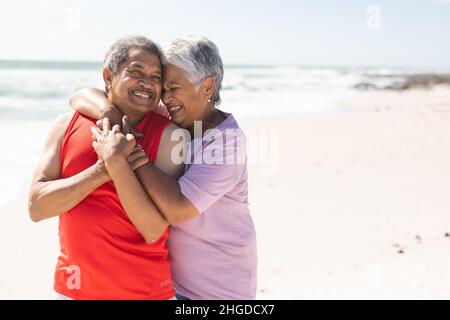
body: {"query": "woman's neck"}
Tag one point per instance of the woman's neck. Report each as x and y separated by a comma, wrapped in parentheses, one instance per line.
(210, 120)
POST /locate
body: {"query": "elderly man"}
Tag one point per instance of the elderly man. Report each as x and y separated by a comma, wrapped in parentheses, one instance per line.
(112, 236)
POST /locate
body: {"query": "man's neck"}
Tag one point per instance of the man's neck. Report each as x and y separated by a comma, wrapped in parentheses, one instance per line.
(135, 120)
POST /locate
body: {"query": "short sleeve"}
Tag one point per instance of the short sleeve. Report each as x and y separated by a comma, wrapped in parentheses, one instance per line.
(206, 183)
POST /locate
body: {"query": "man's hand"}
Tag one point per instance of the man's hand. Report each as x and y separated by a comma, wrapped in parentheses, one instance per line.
(110, 143)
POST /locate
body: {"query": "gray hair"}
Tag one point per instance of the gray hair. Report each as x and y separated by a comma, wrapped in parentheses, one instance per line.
(200, 58)
(119, 52)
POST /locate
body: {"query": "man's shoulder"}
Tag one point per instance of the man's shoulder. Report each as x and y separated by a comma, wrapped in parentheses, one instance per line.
(61, 123)
(162, 124)
(64, 118)
(157, 117)
(173, 134)
(57, 131)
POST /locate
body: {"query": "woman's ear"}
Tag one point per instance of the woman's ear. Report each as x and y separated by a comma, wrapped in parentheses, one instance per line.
(107, 77)
(209, 88)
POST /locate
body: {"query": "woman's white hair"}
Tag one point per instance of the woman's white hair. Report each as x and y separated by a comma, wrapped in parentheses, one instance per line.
(200, 58)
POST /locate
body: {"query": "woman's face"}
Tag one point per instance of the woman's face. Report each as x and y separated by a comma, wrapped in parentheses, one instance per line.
(184, 104)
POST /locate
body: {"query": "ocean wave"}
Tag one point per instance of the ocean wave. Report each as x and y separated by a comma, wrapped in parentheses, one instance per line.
(42, 89)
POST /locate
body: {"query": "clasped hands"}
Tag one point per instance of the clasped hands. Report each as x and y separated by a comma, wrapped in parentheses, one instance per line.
(116, 142)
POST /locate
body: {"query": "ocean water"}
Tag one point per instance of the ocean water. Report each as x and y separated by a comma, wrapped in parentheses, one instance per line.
(32, 94)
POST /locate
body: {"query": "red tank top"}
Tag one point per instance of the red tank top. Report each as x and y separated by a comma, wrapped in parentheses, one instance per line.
(103, 256)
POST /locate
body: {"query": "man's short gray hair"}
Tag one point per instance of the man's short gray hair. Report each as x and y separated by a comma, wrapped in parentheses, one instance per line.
(119, 52)
(200, 58)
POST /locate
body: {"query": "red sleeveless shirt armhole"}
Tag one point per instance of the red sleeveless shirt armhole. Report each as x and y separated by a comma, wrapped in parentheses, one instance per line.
(74, 119)
(156, 125)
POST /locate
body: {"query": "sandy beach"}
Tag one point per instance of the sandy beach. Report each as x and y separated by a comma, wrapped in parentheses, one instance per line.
(358, 208)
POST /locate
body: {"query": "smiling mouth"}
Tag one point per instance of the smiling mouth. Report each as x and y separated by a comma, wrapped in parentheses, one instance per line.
(142, 94)
(174, 109)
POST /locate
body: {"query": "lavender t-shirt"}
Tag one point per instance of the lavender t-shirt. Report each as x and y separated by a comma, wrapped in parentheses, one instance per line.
(213, 255)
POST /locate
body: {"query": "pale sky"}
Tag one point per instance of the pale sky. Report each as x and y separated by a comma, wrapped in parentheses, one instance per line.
(278, 32)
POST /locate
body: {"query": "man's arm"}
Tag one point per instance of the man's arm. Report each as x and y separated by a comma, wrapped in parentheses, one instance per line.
(160, 180)
(49, 195)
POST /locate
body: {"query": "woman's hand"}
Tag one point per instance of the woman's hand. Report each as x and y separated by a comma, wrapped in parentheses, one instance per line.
(110, 143)
(112, 113)
(137, 158)
(115, 116)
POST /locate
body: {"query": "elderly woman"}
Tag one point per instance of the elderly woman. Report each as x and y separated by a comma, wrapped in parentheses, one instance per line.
(212, 242)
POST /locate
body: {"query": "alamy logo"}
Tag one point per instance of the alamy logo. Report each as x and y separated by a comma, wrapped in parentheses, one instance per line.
(74, 279)
(228, 147)
(373, 21)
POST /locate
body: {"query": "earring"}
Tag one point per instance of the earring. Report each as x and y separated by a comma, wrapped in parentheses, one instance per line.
(209, 100)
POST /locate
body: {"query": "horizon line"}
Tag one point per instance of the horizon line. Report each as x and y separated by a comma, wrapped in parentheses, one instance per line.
(230, 65)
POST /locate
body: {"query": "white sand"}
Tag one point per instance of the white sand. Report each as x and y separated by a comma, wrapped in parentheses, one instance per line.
(29, 252)
(350, 185)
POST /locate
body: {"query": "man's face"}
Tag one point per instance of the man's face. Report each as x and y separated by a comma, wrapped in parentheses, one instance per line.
(136, 88)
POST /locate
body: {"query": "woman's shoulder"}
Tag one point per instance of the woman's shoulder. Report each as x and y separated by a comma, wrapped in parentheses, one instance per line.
(231, 129)
(228, 142)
